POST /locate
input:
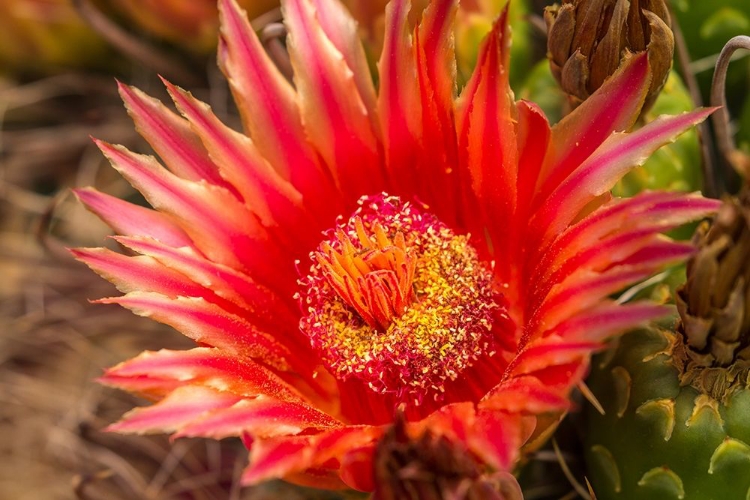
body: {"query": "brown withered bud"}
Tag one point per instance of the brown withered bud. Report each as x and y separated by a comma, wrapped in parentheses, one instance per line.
(431, 467)
(713, 351)
(587, 40)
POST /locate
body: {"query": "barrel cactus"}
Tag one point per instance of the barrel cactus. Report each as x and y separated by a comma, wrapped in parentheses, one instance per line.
(677, 397)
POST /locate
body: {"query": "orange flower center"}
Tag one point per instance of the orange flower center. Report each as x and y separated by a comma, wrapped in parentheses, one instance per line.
(374, 277)
(398, 300)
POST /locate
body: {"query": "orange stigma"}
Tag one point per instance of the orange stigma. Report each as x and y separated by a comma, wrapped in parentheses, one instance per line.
(376, 278)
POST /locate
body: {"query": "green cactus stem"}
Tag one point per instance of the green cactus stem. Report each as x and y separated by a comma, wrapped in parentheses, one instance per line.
(677, 400)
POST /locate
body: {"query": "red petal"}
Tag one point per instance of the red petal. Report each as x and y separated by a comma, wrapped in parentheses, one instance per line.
(170, 136)
(533, 133)
(487, 134)
(341, 30)
(282, 457)
(549, 352)
(209, 324)
(333, 112)
(270, 111)
(614, 107)
(399, 105)
(440, 183)
(204, 366)
(524, 394)
(261, 417)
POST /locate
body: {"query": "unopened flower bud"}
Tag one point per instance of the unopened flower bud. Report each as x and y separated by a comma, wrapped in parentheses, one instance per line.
(431, 467)
(713, 352)
(587, 40)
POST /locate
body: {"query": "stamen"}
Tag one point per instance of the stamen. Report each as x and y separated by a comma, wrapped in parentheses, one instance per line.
(397, 299)
(376, 278)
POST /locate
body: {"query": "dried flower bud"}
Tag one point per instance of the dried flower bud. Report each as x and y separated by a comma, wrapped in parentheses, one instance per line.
(587, 39)
(713, 352)
(431, 467)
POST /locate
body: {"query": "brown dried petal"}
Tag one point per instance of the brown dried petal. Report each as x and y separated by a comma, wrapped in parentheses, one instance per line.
(658, 7)
(660, 50)
(703, 277)
(697, 331)
(728, 321)
(637, 32)
(606, 56)
(723, 352)
(560, 33)
(745, 330)
(575, 75)
(730, 268)
(589, 16)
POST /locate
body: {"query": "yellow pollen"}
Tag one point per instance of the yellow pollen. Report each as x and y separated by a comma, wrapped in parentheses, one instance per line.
(398, 300)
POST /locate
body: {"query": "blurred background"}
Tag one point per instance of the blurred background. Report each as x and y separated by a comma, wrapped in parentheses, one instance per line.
(58, 63)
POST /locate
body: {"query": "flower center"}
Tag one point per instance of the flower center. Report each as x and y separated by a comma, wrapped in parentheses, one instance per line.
(398, 300)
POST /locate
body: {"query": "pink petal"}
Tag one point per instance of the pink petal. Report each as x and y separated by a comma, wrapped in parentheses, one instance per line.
(614, 107)
(204, 366)
(145, 386)
(181, 407)
(616, 250)
(170, 136)
(333, 113)
(221, 227)
(618, 154)
(585, 288)
(138, 273)
(126, 218)
(607, 319)
(257, 300)
(649, 209)
(263, 190)
(261, 417)
(208, 324)
(270, 111)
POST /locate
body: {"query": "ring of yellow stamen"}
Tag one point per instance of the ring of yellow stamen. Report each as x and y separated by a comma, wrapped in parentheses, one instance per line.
(397, 299)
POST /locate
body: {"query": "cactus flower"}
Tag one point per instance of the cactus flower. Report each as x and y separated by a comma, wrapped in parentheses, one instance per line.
(360, 251)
